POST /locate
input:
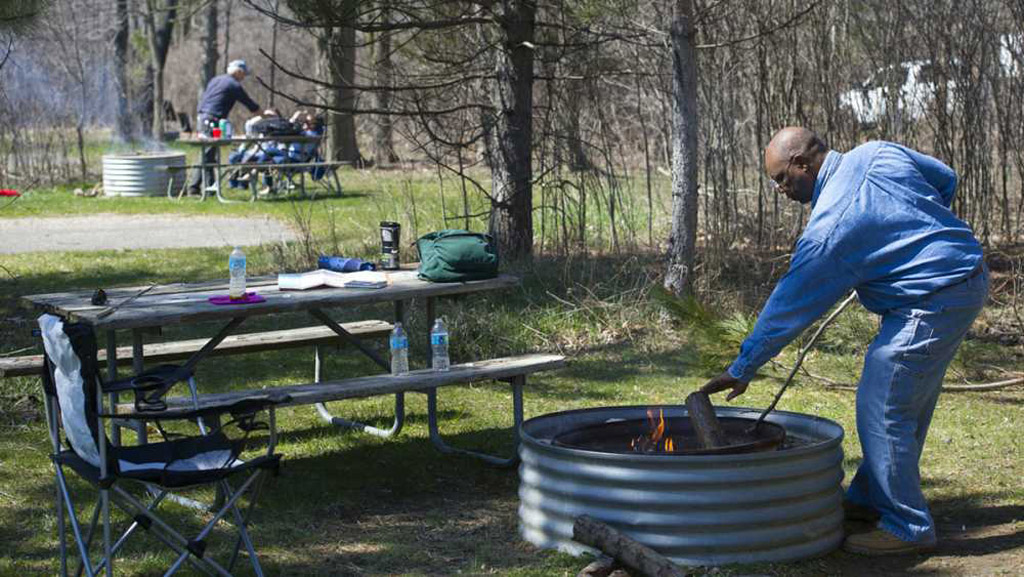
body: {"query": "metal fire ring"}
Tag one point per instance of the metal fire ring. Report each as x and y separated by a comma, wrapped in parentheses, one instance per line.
(695, 509)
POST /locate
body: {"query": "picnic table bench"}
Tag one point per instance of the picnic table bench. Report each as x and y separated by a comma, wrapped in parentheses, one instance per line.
(232, 345)
(512, 370)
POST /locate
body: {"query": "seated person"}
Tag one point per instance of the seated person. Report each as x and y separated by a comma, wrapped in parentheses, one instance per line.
(310, 125)
(270, 152)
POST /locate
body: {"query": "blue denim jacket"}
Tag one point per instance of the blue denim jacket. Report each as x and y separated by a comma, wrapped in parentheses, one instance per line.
(880, 223)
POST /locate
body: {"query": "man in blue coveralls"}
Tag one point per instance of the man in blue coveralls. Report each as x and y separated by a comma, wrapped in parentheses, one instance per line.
(220, 96)
(880, 223)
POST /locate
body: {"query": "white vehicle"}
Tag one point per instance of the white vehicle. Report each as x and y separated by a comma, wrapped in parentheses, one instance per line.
(910, 86)
(914, 92)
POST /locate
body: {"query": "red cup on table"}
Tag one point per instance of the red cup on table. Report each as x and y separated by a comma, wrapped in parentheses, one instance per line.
(215, 132)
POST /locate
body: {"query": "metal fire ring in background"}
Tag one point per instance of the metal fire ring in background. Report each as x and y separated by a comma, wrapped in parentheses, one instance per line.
(695, 509)
(145, 174)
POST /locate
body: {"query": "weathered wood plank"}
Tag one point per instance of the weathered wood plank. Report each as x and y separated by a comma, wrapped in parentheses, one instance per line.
(187, 306)
(80, 300)
(373, 385)
(233, 344)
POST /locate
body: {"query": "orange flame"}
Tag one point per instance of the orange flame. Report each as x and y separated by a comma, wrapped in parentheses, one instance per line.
(659, 429)
(656, 437)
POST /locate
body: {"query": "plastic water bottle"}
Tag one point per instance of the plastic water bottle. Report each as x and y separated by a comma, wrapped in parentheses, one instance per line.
(399, 351)
(439, 346)
(236, 268)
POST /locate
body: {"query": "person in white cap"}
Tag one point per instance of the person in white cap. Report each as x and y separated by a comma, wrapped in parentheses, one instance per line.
(218, 99)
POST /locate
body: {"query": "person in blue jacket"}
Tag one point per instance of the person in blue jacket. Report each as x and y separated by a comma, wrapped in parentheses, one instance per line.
(220, 96)
(880, 224)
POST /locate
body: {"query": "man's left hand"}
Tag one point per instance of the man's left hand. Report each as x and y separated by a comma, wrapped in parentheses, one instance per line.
(725, 381)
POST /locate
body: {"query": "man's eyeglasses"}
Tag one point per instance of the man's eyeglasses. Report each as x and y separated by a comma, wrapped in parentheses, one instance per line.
(778, 182)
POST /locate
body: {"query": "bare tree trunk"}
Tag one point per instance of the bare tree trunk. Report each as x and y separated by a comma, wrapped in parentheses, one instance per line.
(511, 221)
(338, 54)
(273, 54)
(209, 42)
(157, 129)
(683, 238)
(227, 33)
(383, 141)
(160, 19)
(124, 119)
(144, 106)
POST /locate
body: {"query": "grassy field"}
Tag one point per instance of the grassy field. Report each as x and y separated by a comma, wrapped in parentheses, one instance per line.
(347, 504)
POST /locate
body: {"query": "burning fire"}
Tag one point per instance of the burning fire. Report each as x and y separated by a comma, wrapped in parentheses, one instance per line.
(656, 440)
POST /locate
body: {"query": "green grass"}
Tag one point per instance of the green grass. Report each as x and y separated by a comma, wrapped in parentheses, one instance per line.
(347, 504)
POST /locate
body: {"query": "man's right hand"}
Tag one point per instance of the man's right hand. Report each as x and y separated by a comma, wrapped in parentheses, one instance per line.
(725, 381)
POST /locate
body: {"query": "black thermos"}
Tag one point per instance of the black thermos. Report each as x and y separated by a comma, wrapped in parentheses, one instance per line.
(389, 235)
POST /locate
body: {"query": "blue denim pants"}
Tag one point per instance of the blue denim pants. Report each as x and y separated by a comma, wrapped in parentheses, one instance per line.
(896, 396)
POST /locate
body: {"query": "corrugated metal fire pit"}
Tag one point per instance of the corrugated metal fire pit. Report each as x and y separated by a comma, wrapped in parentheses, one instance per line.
(142, 174)
(777, 505)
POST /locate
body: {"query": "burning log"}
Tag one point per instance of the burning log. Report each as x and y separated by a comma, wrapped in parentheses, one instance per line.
(657, 441)
(639, 559)
(705, 422)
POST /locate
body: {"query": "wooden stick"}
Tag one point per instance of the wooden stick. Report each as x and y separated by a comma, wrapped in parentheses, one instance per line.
(984, 387)
(639, 559)
(705, 422)
(800, 358)
(110, 310)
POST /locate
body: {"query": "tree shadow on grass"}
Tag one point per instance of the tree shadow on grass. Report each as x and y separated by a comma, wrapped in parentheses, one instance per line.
(399, 507)
(402, 507)
(379, 421)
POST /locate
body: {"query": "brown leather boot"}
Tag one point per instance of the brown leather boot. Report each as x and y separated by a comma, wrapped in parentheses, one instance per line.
(880, 542)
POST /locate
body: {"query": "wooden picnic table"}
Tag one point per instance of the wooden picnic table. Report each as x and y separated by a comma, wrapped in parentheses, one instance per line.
(185, 303)
(206, 143)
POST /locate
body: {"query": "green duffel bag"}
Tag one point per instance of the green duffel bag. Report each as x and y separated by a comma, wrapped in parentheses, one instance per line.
(456, 256)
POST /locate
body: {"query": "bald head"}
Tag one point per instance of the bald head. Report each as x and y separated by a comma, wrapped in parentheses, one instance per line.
(794, 140)
(792, 159)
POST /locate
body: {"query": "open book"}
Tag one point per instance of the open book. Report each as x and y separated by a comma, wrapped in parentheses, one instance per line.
(321, 277)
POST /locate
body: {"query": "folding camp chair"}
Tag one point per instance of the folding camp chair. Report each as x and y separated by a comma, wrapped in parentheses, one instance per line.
(74, 394)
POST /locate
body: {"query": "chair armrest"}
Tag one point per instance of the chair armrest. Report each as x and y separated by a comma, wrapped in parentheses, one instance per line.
(150, 386)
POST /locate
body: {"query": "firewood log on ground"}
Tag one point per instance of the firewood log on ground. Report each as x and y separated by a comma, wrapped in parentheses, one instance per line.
(636, 558)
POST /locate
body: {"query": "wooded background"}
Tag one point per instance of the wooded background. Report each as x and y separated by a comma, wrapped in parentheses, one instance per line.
(563, 115)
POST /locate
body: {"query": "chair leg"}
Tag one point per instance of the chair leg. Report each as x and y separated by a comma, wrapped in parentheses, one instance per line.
(61, 532)
(76, 529)
(245, 521)
(517, 418)
(229, 506)
(88, 539)
(242, 522)
(176, 540)
(154, 531)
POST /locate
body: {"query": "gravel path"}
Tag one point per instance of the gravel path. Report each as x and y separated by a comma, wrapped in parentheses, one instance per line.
(142, 231)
